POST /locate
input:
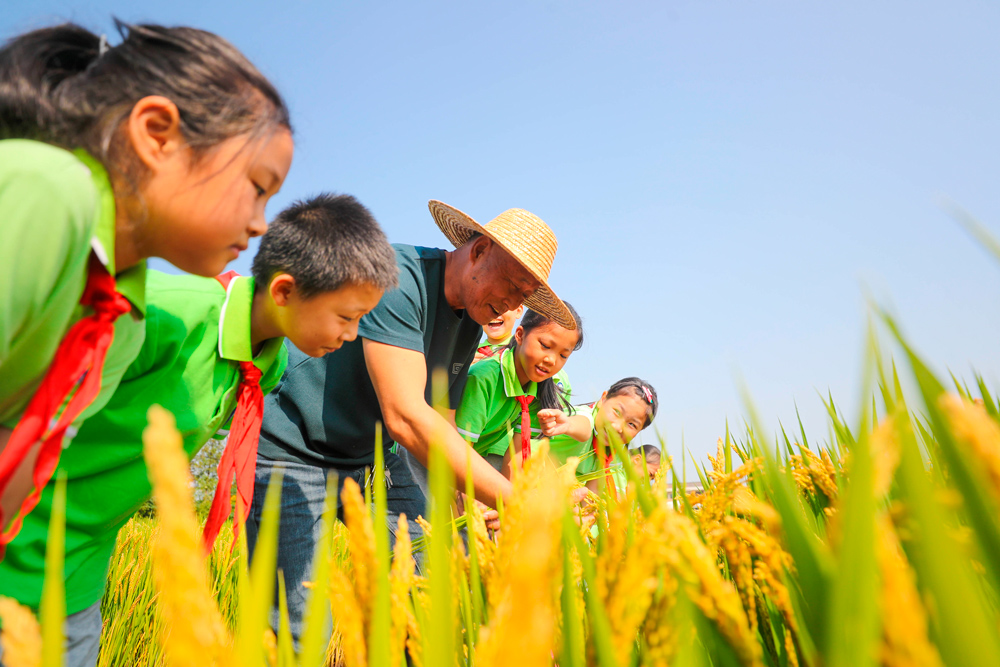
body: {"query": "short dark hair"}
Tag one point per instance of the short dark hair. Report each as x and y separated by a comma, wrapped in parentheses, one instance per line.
(64, 86)
(640, 389)
(324, 243)
(549, 395)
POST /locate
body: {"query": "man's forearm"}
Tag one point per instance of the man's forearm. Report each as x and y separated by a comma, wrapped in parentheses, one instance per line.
(419, 429)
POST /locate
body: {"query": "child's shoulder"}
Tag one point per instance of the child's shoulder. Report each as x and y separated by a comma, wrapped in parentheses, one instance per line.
(54, 176)
(159, 281)
(182, 292)
(487, 368)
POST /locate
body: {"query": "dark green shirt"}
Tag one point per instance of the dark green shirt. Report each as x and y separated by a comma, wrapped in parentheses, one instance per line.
(324, 410)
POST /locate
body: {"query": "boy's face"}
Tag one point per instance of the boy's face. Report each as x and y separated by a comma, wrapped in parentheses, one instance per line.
(322, 323)
(498, 331)
(652, 467)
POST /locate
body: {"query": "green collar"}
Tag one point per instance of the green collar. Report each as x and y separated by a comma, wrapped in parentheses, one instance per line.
(131, 282)
(511, 386)
(234, 327)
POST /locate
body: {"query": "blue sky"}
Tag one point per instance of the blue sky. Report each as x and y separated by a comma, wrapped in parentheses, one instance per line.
(727, 180)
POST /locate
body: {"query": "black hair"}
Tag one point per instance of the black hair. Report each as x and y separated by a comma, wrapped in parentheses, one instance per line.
(648, 452)
(324, 243)
(63, 86)
(641, 390)
(549, 395)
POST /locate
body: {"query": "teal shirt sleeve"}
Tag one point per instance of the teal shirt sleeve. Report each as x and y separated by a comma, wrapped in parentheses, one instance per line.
(398, 319)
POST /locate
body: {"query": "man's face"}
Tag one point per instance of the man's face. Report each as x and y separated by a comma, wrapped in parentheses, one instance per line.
(495, 283)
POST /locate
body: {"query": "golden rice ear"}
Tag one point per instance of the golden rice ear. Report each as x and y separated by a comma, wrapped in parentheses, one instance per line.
(21, 637)
(193, 629)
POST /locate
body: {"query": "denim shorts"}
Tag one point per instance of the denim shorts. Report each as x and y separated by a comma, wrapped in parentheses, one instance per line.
(303, 498)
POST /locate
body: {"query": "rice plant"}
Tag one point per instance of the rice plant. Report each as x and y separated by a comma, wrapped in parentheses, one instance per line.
(880, 546)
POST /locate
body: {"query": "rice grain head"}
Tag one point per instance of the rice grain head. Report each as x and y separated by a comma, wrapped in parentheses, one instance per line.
(21, 638)
(194, 632)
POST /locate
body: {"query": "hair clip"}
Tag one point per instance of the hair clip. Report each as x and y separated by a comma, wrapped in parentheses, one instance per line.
(647, 393)
(102, 46)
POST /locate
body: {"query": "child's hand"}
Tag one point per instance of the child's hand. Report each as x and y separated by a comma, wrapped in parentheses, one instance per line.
(553, 421)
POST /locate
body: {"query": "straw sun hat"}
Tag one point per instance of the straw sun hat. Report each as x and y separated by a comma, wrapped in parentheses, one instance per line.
(525, 238)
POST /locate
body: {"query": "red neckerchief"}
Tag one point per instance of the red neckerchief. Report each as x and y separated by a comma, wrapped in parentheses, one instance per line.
(78, 364)
(605, 462)
(525, 427)
(487, 351)
(240, 454)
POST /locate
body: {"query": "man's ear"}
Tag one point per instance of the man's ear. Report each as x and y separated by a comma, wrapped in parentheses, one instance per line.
(154, 130)
(281, 289)
(480, 248)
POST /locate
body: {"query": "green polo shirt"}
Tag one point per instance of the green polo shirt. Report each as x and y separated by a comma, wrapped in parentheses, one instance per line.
(489, 407)
(56, 207)
(564, 387)
(197, 332)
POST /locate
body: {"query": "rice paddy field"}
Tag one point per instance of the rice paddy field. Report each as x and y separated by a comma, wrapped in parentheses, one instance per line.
(877, 544)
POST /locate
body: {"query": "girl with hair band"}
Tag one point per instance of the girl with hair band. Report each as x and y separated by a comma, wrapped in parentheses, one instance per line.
(168, 145)
(501, 388)
(626, 408)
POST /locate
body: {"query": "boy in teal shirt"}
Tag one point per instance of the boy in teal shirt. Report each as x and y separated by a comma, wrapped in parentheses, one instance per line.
(322, 265)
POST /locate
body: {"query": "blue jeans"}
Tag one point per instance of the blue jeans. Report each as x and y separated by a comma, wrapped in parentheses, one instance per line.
(83, 637)
(303, 498)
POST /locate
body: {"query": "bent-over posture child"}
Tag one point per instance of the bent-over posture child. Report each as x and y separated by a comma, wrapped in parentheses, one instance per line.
(501, 388)
(210, 349)
(626, 408)
(168, 145)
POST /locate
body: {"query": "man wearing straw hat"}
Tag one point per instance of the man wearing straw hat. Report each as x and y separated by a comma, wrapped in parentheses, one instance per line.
(323, 416)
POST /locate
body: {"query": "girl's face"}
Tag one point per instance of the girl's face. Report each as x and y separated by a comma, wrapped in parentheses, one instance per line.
(543, 351)
(624, 414)
(201, 215)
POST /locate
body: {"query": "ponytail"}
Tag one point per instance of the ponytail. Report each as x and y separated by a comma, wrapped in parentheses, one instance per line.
(32, 67)
(549, 395)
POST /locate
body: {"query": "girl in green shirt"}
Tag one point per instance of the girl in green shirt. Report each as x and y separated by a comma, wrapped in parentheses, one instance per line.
(168, 145)
(626, 408)
(501, 388)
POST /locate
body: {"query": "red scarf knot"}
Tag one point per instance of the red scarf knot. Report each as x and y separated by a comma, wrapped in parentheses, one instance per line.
(239, 458)
(74, 374)
(604, 460)
(525, 401)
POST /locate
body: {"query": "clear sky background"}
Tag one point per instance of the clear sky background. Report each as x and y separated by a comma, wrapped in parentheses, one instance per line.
(727, 179)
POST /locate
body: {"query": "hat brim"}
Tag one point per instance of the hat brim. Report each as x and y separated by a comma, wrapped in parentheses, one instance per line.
(459, 227)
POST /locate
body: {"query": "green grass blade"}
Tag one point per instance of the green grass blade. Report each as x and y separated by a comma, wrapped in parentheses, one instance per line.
(53, 607)
(380, 631)
(286, 649)
(253, 616)
(600, 626)
(317, 618)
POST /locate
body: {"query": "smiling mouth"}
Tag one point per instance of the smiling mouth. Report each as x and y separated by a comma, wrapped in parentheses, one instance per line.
(544, 372)
(495, 323)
